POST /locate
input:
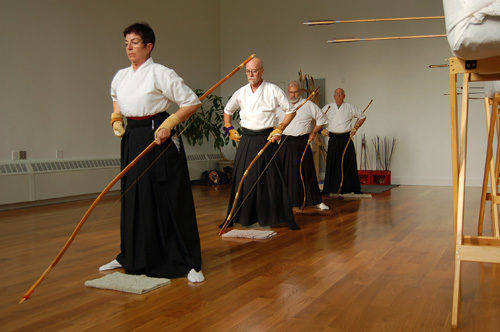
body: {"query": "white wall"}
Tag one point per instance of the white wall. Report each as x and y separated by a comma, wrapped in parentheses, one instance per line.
(58, 58)
(408, 97)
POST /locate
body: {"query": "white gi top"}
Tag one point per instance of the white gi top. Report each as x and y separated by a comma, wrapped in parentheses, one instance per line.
(258, 110)
(302, 122)
(340, 119)
(150, 90)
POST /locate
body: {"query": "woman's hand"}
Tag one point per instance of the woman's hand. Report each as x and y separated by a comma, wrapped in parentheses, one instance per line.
(161, 135)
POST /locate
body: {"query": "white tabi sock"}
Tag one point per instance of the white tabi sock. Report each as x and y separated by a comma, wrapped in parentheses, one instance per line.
(323, 206)
(194, 276)
(110, 266)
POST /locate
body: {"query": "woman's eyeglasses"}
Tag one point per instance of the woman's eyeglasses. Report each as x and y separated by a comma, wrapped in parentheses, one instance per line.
(133, 42)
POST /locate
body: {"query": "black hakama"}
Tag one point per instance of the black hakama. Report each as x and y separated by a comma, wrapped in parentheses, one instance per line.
(268, 202)
(159, 234)
(333, 173)
(290, 155)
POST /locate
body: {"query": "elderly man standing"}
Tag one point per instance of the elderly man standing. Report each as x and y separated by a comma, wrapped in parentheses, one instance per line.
(298, 135)
(264, 195)
(340, 128)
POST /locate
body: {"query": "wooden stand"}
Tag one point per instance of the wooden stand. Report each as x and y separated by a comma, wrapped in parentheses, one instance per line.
(491, 166)
(467, 248)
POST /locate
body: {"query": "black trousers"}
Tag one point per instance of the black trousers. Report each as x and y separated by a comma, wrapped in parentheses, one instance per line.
(264, 195)
(333, 174)
(290, 155)
(159, 233)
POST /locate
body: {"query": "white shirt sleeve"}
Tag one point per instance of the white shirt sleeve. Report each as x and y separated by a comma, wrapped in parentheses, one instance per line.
(174, 88)
(318, 115)
(357, 112)
(280, 115)
(114, 84)
(233, 103)
(283, 102)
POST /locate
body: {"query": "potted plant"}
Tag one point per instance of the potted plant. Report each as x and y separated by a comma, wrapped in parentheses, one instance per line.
(206, 123)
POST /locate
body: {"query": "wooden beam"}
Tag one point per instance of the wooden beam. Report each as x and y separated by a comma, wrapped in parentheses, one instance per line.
(480, 253)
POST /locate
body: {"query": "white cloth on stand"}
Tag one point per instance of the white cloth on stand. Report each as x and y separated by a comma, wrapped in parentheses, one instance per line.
(473, 28)
(490, 88)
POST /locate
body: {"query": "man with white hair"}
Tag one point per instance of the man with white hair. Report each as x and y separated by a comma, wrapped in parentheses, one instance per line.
(264, 196)
(342, 176)
(298, 135)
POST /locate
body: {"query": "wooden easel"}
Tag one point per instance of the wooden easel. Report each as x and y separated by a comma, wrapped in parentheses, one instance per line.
(491, 166)
(479, 248)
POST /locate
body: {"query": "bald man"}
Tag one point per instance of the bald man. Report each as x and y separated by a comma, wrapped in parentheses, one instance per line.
(299, 134)
(266, 199)
(343, 119)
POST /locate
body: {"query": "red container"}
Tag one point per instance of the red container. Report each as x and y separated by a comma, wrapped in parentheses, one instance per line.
(365, 177)
(382, 177)
(374, 177)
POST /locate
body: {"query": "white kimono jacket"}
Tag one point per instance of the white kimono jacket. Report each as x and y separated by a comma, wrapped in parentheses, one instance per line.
(340, 118)
(302, 122)
(258, 110)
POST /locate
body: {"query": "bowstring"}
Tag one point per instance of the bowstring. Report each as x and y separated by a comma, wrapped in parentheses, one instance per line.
(160, 154)
(262, 173)
(257, 181)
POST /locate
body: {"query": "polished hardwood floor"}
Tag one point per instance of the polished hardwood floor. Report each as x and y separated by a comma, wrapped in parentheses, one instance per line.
(379, 264)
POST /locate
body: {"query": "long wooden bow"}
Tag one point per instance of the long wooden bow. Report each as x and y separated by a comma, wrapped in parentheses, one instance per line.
(345, 149)
(112, 183)
(302, 176)
(261, 151)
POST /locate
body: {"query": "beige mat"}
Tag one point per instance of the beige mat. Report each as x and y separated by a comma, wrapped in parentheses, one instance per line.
(313, 211)
(249, 234)
(352, 195)
(130, 283)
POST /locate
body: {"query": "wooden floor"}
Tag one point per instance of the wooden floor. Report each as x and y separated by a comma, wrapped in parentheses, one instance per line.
(379, 264)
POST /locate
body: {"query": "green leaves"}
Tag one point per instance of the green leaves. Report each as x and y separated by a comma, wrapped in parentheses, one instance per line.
(207, 122)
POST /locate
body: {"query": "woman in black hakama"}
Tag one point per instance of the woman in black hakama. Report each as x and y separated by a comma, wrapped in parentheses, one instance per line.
(159, 234)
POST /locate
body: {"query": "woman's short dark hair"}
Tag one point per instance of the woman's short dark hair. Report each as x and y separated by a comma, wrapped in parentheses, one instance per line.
(142, 29)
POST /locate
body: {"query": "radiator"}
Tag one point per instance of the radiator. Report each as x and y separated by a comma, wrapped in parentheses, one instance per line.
(199, 163)
(29, 181)
(33, 181)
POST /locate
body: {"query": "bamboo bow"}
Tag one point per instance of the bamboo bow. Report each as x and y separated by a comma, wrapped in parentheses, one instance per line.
(112, 183)
(240, 185)
(328, 22)
(345, 149)
(302, 176)
(300, 166)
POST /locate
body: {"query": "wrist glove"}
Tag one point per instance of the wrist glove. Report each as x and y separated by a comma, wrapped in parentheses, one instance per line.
(169, 123)
(358, 124)
(325, 132)
(276, 132)
(232, 133)
(117, 124)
